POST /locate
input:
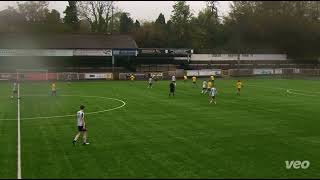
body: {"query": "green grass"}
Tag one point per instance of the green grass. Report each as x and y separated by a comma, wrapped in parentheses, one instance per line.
(154, 136)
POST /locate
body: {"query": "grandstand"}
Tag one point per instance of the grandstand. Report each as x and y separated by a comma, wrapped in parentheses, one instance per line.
(116, 55)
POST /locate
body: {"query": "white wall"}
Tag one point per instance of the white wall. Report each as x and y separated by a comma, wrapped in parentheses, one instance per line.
(226, 57)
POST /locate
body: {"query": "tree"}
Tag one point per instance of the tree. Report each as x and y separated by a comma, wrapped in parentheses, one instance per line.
(137, 24)
(84, 26)
(97, 13)
(39, 19)
(114, 26)
(205, 30)
(181, 13)
(126, 23)
(181, 24)
(290, 27)
(71, 16)
(213, 7)
(11, 20)
(161, 19)
(53, 17)
(149, 35)
(34, 11)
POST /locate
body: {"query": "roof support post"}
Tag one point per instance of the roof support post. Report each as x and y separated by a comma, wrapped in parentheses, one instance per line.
(112, 63)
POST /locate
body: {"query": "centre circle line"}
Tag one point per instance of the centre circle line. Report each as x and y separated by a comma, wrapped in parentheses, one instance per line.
(70, 115)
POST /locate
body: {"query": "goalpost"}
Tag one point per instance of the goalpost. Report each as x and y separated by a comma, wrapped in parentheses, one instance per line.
(68, 76)
(32, 74)
(43, 75)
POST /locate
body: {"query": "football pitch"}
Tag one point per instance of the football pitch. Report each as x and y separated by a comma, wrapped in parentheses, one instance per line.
(136, 132)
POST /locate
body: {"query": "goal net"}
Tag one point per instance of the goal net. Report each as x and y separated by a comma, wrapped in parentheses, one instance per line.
(32, 74)
(68, 76)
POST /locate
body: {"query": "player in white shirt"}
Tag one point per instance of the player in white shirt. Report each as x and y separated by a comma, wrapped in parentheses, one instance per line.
(174, 80)
(15, 90)
(68, 78)
(212, 94)
(154, 78)
(204, 87)
(150, 82)
(81, 127)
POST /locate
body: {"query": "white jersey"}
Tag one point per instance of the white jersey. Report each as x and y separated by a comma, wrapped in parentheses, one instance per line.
(204, 84)
(150, 80)
(173, 78)
(213, 91)
(80, 117)
(14, 86)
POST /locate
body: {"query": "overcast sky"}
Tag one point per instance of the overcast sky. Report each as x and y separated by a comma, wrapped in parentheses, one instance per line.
(141, 10)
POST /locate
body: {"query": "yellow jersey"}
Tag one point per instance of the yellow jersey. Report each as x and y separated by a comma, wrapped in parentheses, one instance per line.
(209, 86)
(53, 87)
(212, 78)
(185, 77)
(239, 85)
(132, 78)
(194, 79)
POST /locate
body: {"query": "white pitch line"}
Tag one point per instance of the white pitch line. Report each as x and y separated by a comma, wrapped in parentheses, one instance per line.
(302, 94)
(290, 90)
(19, 139)
(71, 115)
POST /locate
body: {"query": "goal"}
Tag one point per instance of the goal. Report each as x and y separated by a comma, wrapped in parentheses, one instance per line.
(32, 74)
(68, 76)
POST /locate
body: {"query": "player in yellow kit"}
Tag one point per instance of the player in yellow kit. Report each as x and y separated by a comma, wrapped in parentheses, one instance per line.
(209, 86)
(132, 78)
(212, 78)
(185, 78)
(53, 89)
(194, 81)
(239, 86)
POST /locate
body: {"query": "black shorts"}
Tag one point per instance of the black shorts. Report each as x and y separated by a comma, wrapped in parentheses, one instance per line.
(212, 97)
(172, 90)
(80, 128)
(204, 88)
(150, 84)
(193, 82)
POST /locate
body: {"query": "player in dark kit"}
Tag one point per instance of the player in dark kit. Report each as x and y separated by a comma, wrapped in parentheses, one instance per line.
(172, 89)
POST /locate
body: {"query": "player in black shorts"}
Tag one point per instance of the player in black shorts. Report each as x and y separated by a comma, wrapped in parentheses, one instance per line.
(82, 128)
(172, 89)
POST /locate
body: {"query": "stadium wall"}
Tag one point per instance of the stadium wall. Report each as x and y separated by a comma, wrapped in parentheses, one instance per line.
(179, 73)
(235, 57)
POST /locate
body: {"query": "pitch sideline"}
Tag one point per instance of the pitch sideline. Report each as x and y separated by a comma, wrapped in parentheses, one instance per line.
(19, 138)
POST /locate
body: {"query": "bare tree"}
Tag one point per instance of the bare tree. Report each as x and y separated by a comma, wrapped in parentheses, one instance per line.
(97, 13)
(213, 7)
(34, 11)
